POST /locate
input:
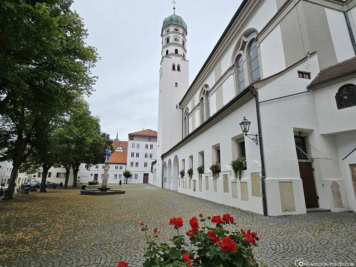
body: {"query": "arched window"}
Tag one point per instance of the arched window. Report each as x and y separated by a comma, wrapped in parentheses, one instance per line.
(176, 84)
(240, 75)
(167, 40)
(186, 122)
(174, 67)
(178, 67)
(346, 96)
(254, 64)
(167, 52)
(207, 107)
(176, 51)
(201, 108)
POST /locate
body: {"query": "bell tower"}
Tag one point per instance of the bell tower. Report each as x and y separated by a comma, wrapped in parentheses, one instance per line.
(173, 84)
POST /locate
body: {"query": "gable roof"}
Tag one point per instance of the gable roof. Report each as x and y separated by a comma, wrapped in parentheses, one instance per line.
(117, 143)
(118, 158)
(147, 132)
(334, 72)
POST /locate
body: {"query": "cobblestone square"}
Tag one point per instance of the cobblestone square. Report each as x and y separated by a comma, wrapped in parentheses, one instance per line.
(63, 228)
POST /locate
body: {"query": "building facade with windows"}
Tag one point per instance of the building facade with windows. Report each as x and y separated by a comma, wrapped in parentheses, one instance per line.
(141, 152)
(278, 90)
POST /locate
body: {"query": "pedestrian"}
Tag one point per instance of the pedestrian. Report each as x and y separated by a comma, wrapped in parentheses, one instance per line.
(120, 183)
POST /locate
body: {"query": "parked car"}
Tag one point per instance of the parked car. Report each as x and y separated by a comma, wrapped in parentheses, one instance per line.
(52, 185)
(32, 185)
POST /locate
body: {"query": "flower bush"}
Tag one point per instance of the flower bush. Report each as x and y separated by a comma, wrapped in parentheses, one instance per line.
(182, 173)
(215, 169)
(200, 170)
(190, 173)
(238, 166)
(208, 243)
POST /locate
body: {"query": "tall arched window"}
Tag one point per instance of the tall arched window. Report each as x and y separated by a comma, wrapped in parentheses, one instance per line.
(201, 108)
(207, 107)
(176, 51)
(240, 73)
(167, 40)
(254, 63)
(167, 52)
(174, 67)
(178, 67)
(186, 122)
(346, 96)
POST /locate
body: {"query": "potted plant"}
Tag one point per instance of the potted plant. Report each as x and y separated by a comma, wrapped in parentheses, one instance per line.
(127, 174)
(182, 173)
(190, 173)
(238, 166)
(200, 170)
(215, 169)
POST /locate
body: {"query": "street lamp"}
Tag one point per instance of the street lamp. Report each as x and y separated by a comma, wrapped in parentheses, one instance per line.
(245, 127)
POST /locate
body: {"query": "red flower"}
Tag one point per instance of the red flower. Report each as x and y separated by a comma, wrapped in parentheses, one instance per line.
(122, 264)
(141, 223)
(250, 237)
(227, 218)
(213, 237)
(187, 259)
(228, 245)
(190, 233)
(155, 230)
(177, 222)
(238, 158)
(194, 224)
(253, 260)
(201, 215)
(217, 219)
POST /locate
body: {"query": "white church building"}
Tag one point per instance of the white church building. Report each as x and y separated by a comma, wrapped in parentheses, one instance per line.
(278, 89)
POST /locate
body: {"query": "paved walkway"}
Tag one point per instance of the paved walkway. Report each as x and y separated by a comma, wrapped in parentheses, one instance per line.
(62, 228)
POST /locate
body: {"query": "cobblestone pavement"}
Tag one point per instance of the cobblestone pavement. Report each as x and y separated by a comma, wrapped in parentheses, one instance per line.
(62, 228)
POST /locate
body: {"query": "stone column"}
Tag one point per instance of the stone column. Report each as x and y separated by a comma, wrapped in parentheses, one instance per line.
(106, 175)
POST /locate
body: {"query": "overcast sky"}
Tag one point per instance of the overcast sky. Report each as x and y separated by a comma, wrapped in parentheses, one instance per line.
(126, 34)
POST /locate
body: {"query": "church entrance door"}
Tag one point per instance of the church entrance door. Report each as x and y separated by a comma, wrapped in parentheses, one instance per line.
(145, 178)
(310, 194)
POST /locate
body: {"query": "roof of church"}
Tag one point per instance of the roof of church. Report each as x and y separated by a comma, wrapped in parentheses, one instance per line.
(118, 158)
(176, 20)
(336, 71)
(147, 132)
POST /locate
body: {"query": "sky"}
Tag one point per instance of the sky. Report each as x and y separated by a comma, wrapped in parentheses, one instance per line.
(126, 34)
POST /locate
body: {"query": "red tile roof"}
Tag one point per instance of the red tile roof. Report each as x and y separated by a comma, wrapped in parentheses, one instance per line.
(117, 143)
(147, 132)
(336, 71)
(118, 158)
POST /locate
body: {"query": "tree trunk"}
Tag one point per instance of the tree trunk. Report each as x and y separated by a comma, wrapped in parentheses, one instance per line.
(12, 184)
(45, 169)
(75, 174)
(67, 177)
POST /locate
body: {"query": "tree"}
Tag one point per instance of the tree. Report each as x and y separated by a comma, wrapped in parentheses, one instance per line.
(82, 140)
(45, 66)
(127, 174)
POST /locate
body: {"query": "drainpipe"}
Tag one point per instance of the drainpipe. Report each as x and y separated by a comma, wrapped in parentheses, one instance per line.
(348, 23)
(263, 168)
(162, 172)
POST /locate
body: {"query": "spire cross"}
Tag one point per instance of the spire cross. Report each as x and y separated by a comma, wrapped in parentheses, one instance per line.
(174, 6)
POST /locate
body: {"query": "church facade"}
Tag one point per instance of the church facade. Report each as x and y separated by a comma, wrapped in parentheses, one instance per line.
(277, 93)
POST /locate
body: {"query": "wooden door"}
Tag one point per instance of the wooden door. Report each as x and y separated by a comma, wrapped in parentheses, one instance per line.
(145, 178)
(96, 177)
(353, 175)
(310, 194)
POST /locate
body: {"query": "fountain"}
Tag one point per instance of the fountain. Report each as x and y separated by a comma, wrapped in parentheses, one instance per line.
(103, 190)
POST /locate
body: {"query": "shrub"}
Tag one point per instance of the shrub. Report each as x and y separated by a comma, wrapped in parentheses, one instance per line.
(93, 182)
(190, 173)
(238, 166)
(210, 245)
(215, 169)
